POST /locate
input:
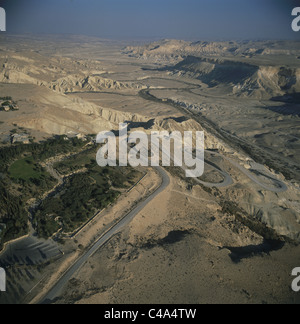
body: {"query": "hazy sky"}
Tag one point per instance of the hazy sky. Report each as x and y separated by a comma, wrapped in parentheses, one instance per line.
(138, 19)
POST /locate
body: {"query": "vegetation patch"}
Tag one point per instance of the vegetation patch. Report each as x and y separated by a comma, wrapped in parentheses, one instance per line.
(13, 216)
(26, 170)
(85, 190)
(83, 195)
(79, 201)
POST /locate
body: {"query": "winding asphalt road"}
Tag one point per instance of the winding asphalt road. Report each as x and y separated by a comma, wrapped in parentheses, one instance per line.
(278, 185)
(56, 290)
(61, 283)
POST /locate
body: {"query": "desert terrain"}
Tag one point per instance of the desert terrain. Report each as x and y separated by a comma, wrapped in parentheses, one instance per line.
(231, 236)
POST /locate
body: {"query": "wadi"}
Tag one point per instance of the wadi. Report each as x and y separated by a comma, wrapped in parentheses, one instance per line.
(76, 231)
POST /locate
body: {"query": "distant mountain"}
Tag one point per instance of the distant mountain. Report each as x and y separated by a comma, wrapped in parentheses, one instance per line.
(261, 70)
(168, 49)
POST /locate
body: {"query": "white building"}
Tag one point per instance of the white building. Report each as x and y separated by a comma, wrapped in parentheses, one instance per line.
(20, 138)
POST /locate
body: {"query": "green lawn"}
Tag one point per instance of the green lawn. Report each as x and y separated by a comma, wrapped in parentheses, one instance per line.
(25, 169)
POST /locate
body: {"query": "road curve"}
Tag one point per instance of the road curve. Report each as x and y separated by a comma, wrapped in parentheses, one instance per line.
(278, 185)
(61, 283)
(225, 183)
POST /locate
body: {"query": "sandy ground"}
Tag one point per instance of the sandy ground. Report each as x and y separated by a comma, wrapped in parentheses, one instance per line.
(175, 252)
(100, 224)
